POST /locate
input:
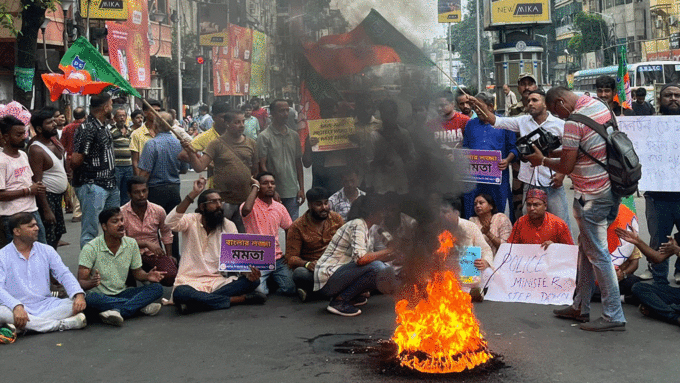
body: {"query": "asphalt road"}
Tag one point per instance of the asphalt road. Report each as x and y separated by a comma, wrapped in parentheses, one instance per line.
(287, 341)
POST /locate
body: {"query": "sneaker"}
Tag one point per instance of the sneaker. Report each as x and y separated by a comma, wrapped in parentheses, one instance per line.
(255, 298)
(302, 294)
(76, 219)
(75, 322)
(476, 295)
(359, 300)
(571, 313)
(646, 275)
(343, 308)
(111, 317)
(151, 309)
(600, 324)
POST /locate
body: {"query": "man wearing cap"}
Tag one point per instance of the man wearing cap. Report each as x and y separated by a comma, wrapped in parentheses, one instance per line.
(526, 82)
(535, 176)
(538, 227)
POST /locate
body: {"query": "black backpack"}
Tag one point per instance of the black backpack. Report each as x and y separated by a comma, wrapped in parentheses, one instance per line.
(623, 164)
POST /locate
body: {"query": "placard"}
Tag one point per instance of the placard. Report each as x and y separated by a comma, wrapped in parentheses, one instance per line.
(333, 133)
(468, 272)
(240, 251)
(529, 274)
(657, 144)
(483, 166)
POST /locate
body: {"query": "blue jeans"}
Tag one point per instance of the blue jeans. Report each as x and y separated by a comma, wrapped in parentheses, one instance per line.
(128, 302)
(662, 211)
(557, 201)
(9, 233)
(662, 299)
(217, 300)
(93, 200)
(283, 277)
(123, 174)
(594, 261)
(292, 207)
(351, 280)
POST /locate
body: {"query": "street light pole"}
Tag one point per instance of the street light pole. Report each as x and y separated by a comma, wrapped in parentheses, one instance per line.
(547, 58)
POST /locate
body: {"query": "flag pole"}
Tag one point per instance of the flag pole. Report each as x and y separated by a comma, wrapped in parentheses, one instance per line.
(479, 112)
(158, 116)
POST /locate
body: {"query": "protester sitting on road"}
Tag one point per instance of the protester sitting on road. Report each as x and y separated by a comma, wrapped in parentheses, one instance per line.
(145, 222)
(349, 267)
(263, 215)
(25, 268)
(341, 201)
(307, 239)
(103, 267)
(199, 286)
(470, 235)
(657, 300)
(495, 226)
(539, 227)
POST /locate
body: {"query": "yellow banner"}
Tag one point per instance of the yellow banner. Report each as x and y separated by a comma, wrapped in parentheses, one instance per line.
(106, 9)
(332, 134)
(219, 39)
(449, 11)
(520, 11)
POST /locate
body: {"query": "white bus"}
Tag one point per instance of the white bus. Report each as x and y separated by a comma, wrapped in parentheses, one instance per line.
(645, 74)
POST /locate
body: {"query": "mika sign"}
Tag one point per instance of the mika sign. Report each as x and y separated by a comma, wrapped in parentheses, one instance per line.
(504, 12)
(107, 9)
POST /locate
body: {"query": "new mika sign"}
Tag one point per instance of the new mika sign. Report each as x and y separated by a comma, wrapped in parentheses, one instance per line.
(505, 12)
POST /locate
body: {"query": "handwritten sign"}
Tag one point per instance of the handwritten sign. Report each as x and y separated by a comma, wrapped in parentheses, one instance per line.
(333, 133)
(240, 251)
(469, 274)
(657, 144)
(483, 166)
(529, 274)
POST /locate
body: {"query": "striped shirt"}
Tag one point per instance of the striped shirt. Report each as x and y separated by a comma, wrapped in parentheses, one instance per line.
(588, 176)
(93, 140)
(121, 146)
(351, 242)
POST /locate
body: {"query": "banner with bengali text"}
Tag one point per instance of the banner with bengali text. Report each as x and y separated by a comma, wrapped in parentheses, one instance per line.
(238, 252)
(483, 166)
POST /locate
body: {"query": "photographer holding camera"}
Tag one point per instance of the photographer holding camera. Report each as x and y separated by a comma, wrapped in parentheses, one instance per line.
(535, 177)
(595, 206)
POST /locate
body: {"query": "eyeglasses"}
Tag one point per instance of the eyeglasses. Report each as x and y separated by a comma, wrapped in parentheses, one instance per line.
(217, 201)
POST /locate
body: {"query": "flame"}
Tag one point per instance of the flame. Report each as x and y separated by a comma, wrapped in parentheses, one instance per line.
(441, 334)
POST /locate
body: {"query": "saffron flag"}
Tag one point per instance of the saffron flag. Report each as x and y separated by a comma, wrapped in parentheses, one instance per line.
(623, 96)
(82, 56)
(72, 82)
(373, 42)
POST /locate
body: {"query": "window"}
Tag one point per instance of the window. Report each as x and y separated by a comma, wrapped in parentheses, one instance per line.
(649, 74)
(671, 73)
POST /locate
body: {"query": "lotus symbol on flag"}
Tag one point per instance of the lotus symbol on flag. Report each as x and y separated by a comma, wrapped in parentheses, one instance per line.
(73, 81)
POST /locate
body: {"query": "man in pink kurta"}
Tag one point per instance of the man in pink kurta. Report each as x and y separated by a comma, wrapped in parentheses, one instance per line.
(199, 285)
(262, 215)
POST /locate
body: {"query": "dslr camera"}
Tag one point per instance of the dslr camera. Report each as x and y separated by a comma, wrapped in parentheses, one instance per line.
(545, 141)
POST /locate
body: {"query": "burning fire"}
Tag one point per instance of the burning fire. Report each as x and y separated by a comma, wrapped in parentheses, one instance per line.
(441, 334)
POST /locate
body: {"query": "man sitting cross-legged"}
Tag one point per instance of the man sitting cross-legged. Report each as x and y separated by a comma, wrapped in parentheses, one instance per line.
(308, 238)
(25, 298)
(199, 286)
(143, 221)
(262, 215)
(103, 267)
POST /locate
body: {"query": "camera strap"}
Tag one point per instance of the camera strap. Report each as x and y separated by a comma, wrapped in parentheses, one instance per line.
(597, 127)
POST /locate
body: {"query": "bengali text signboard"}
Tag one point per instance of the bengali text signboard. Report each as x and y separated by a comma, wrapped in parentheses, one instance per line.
(240, 251)
(483, 166)
(530, 274)
(333, 133)
(657, 143)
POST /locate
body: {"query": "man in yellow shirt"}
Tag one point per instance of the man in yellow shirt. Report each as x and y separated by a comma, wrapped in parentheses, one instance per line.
(140, 136)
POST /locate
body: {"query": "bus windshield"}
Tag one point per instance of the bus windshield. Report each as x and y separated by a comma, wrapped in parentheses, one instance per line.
(649, 74)
(672, 73)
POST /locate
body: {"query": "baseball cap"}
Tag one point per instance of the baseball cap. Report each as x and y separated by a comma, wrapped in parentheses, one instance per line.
(526, 74)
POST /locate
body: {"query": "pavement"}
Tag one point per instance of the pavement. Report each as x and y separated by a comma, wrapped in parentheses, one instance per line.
(288, 341)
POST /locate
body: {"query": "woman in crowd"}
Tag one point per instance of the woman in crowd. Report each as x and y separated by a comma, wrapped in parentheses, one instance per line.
(495, 226)
(348, 267)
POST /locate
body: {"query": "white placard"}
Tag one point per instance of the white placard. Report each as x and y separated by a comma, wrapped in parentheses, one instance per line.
(657, 144)
(529, 274)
